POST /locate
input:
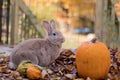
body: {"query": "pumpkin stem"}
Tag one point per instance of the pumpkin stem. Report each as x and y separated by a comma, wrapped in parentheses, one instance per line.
(93, 40)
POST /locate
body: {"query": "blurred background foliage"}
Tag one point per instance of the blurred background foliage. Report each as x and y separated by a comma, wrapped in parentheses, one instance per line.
(68, 13)
(75, 18)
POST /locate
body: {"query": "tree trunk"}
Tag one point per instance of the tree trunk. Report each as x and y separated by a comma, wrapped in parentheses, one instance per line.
(14, 22)
(99, 18)
(7, 21)
(1, 3)
(107, 26)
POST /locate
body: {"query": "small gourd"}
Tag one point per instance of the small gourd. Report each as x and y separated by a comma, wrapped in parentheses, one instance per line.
(22, 67)
(33, 72)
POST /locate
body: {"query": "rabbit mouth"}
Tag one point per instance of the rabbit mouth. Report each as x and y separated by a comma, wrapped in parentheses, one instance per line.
(60, 41)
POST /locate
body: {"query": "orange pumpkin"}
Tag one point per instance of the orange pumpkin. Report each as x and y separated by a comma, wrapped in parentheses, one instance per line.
(33, 72)
(93, 60)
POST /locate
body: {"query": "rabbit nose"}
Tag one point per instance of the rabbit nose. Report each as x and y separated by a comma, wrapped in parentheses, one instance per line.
(62, 40)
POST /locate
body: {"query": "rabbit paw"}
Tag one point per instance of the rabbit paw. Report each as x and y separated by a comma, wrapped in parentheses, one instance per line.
(12, 65)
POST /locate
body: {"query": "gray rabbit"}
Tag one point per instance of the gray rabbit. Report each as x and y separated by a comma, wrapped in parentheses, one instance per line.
(39, 51)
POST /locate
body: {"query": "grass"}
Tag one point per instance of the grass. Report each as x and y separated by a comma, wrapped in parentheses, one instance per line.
(73, 40)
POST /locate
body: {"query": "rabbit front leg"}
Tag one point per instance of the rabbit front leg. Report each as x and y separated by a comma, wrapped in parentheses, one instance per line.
(19, 56)
(44, 57)
(12, 65)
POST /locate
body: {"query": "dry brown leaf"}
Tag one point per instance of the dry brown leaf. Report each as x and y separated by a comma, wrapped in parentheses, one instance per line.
(62, 69)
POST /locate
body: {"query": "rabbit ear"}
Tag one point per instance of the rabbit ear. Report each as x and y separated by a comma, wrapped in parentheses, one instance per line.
(47, 26)
(52, 24)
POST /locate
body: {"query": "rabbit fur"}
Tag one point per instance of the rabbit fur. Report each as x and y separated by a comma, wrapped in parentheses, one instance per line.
(39, 51)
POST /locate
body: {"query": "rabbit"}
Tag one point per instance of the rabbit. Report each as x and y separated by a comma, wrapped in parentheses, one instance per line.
(41, 52)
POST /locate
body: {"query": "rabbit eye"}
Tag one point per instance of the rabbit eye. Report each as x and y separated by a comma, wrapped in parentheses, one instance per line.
(54, 34)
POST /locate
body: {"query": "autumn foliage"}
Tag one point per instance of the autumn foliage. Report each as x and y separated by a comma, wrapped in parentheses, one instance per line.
(63, 68)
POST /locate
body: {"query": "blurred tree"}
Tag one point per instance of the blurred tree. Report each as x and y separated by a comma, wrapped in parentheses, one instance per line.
(107, 24)
(1, 3)
(42, 9)
(7, 20)
(77, 9)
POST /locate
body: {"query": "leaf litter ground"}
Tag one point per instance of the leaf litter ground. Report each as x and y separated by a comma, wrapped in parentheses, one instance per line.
(63, 68)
